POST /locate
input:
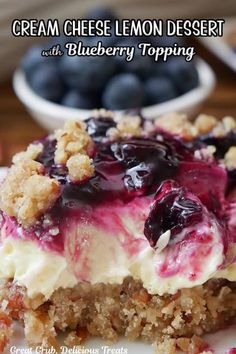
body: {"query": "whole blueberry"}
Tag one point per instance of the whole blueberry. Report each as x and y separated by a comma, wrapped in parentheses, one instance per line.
(87, 74)
(159, 89)
(100, 13)
(183, 74)
(158, 68)
(47, 83)
(33, 59)
(139, 65)
(123, 91)
(75, 99)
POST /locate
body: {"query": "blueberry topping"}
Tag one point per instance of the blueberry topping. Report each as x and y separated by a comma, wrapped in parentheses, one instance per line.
(47, 155)
(97, 127)
(174, 209)
(181, 189)
(222, 143)
(147, 162)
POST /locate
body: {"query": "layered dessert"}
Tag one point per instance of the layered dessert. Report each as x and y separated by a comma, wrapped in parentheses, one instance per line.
(121, 226)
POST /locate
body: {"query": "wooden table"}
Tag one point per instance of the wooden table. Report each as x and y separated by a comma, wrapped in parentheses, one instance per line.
(17, 128)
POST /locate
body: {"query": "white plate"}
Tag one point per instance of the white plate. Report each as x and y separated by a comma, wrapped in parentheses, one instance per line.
(219, 342)
(51, 115)
(219, 47)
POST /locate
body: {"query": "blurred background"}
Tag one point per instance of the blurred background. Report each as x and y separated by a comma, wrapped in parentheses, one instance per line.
(17, 128)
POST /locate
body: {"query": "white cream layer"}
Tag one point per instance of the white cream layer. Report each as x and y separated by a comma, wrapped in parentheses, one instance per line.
(39, 271)
(42, 272)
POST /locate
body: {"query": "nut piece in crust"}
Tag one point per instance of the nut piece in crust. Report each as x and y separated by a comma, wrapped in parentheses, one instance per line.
(31, 153)
(80, 167)
(71, 140)
(6, 330)
(205, 123)
(230, 158)
(26, 194)
(177, 124)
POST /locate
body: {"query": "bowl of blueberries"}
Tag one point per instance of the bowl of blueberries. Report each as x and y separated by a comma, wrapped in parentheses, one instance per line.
(59, 88)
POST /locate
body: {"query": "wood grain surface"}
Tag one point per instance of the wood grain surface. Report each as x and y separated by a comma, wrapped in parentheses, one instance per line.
(17, 128)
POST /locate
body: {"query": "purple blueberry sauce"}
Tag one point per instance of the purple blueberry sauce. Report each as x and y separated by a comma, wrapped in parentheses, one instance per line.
(173, 209)
(222, 144)
(137, 167)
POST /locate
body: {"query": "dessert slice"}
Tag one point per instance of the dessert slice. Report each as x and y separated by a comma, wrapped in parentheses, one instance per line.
(122, 227)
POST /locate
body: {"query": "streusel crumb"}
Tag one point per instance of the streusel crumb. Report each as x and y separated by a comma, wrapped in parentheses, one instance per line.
(206, 154)
(71, 140)
(224, 126)
(31, 153)
(80, 167)
(127, 126)
(177, 124)
(230, 158)
(26, 193)
(205, 123)
(103, 113)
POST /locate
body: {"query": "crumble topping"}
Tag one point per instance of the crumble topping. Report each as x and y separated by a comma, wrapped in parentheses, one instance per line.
(74, 145)
(25, 193)
(127, 126)
(80, 167)
(206, 154)
(31, 153)
(97, 113)
(218, 128)
(224, 126)
(205, 123)
(230, 158)
(177, 124)
(71, 140)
